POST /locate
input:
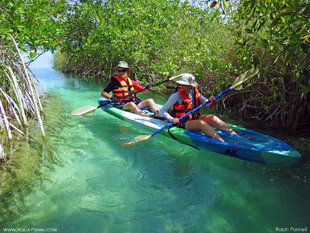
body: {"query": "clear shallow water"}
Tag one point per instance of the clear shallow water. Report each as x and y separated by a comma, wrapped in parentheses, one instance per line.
(156, 186)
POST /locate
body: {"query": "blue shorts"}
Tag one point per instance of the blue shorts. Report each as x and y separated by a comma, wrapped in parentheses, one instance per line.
(121, 104)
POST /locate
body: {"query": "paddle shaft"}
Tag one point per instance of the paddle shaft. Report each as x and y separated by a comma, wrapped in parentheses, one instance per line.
(104, 104)
(153, 85)
(193, 110)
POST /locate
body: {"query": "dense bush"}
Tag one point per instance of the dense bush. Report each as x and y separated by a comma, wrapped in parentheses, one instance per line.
(274, 35)
(33, 24)
(157, 38)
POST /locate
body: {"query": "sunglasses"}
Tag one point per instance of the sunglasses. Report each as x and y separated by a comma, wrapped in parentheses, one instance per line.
(122, 71)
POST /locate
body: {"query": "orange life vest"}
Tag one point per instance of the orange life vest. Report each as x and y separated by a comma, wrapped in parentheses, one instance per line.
(126, 91)
(181, 109)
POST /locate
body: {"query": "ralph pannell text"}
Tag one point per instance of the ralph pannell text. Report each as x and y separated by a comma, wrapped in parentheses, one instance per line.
(291, 229)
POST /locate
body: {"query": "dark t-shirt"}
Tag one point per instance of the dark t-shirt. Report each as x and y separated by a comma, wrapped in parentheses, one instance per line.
(113, 84)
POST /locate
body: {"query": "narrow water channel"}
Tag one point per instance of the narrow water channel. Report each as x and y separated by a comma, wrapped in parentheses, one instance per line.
(158, 185)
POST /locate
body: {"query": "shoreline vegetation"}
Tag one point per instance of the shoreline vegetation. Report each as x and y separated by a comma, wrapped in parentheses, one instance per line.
(20, 96)
(24, 151)
(30, 161)
(216, 44)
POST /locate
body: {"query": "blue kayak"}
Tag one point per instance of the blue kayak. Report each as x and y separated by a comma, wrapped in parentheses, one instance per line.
(261, 148)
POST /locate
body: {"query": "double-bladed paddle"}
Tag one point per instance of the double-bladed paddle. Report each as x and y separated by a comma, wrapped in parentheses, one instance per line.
(88, 110)
(237, 85)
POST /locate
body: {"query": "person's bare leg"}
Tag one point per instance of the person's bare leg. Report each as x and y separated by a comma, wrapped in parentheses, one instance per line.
(132, 107)
(218, 123)
(149, 103)
(195, 125)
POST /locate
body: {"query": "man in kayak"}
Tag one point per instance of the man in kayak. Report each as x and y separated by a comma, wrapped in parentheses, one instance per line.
(123, 89)
(187, 98)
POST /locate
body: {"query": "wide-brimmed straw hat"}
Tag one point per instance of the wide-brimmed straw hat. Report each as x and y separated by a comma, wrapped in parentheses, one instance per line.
(187, 79)
(124, 65)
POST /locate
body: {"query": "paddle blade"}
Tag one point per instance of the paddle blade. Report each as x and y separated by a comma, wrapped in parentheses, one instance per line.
(245, 80)
(86, 110)
(136, 140)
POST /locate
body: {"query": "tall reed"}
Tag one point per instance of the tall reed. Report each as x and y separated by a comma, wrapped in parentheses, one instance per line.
(19, 94)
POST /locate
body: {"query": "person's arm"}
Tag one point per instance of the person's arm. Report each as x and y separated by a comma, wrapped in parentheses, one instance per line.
(168, 105)
(111, 86)
(203, 99)
(106, 94)
(137, 86)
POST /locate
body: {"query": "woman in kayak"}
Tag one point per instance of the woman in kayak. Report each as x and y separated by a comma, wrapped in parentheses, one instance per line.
(187, 98)
(123, 89)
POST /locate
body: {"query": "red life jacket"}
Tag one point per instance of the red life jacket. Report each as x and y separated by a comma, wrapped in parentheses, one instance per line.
(181, 109)
(126, 91)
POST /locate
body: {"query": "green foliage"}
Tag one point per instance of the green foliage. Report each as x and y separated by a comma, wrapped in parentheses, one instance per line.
(286, 25)
(33, 24)
(282, 29)
(156, 37)
(274, 36)
(60, 60)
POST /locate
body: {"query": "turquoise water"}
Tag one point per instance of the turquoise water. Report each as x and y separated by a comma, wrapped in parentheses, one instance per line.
(154, 186)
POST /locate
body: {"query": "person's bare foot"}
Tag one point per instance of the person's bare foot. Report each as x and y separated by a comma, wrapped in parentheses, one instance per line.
(142, 114)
